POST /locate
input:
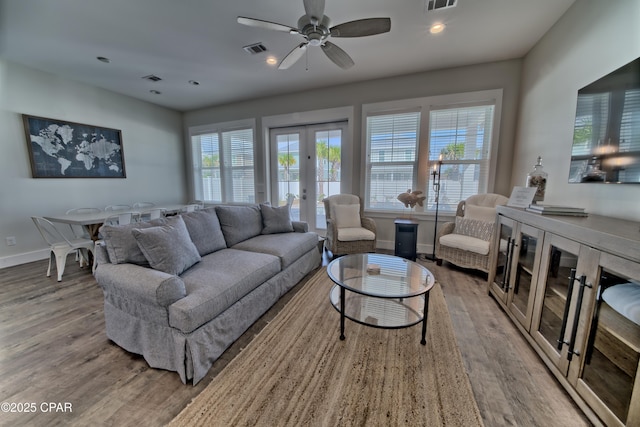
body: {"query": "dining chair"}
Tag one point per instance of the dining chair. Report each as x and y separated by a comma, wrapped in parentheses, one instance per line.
(190, 208)
(60, 245)
(122, 218)
(143, 205)
(117, 208)
(153, 214)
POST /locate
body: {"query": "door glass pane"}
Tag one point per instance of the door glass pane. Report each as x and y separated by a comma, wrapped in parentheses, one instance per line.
(611, 358)
(288, 156)
(524, 274)
(328, 163)
(503, 256)
(555, 296)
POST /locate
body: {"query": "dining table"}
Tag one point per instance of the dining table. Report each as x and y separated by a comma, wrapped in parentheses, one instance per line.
(93, 221)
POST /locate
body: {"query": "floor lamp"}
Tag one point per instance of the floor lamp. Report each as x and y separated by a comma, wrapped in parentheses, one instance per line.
(435, 174)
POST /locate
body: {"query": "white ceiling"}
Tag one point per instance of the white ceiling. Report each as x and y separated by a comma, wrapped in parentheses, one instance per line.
(182, 40)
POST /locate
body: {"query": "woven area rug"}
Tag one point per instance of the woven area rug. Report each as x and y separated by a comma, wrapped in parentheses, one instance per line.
(298, 372)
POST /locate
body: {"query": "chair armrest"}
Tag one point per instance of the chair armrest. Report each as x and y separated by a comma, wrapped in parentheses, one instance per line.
(300, 226)
(369, 224)
(139, 283)
(446, 228)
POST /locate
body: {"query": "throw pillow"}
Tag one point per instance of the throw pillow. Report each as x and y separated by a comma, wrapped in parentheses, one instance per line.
(239, 223)
(204, 228)
(482, 213)
(168, 247)
(122, 246)
(474, 228)
(347, 216)
(275, 219)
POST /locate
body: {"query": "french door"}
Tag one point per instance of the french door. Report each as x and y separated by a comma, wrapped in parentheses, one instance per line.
(305, 168)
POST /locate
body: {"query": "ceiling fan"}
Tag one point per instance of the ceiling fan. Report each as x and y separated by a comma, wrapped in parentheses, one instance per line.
(314, 27)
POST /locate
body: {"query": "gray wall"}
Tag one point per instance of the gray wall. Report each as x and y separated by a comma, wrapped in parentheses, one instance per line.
(500, 75)
(592, 39)
(152, 143)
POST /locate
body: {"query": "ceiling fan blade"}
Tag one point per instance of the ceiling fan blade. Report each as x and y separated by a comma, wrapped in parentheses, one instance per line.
(337, 55)
(314, 9)
(252, 22)
(362, 27)
(293, 56)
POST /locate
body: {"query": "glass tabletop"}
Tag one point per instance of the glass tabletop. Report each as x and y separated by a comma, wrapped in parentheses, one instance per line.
(380, 275)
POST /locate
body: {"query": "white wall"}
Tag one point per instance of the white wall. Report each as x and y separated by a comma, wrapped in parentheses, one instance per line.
(499, 75)
(152, 145)
(592, 39)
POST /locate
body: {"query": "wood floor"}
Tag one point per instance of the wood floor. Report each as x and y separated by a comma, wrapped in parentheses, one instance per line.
(56, 362)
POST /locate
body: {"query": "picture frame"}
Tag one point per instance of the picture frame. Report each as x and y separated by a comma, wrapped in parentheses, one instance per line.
(63, 149)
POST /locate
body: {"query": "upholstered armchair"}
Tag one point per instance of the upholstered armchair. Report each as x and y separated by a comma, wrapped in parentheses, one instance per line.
(468, 242)
(348, 231)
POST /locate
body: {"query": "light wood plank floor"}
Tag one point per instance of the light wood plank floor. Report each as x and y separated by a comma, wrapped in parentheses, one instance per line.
(53, 349)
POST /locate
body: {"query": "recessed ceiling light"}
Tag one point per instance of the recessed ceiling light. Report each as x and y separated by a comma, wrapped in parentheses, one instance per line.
(194, 82)
(436, 28)
(272, 60)
(155, 92)
(103, 59)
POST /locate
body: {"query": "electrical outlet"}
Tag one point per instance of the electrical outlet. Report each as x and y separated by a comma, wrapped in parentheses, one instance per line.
(11, 241)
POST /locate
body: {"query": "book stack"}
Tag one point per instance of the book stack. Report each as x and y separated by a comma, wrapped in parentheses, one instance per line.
(544, 209)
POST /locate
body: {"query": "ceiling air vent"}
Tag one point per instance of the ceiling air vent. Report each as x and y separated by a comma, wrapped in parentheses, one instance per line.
(440, 4)
(255, 48)
(152, 78)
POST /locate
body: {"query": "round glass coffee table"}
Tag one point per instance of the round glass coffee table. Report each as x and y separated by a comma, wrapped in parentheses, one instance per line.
(383, 291)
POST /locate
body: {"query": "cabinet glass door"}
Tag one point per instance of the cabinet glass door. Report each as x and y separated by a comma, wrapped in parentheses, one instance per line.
(500, 282)
(525, 273)
(606, 378)
(555, 307)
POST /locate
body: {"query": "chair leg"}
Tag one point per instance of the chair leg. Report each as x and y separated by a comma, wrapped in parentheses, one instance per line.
(51, 256)
(61, 261)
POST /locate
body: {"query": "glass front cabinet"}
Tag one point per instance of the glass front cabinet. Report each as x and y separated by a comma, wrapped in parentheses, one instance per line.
(579, 306)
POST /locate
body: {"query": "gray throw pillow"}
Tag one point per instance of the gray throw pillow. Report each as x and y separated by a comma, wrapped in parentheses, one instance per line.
(275, 219)
(204, 229)
(239, 223)
(168, 247)
(474, 228)
(121, 246)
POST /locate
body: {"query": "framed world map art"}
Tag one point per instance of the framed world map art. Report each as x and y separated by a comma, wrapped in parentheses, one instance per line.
(60, 149)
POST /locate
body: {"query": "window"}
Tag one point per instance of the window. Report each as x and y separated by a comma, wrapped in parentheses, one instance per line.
(223, 164)
(392, 145)
(458, 139)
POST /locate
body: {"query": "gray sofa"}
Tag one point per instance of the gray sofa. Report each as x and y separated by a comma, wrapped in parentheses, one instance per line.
(180, 290)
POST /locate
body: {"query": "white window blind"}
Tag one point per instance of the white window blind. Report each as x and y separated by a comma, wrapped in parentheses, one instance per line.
(461, 138)
(224, 166)
(392, 146)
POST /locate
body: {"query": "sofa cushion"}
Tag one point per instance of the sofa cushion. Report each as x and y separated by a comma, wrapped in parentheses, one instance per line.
(467, 243)
(122, 247)
(347, 216)
(218, 281)
(473, 227)
(205, 231)
(168, 247)
(286, 246)
(481, 213)
(355, 234)
(239, 222)
(275, 219)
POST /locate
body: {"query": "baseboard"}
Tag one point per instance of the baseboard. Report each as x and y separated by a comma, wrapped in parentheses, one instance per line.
(23, 258)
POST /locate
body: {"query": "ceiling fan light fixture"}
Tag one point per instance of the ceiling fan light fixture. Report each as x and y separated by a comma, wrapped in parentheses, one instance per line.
(437, 28)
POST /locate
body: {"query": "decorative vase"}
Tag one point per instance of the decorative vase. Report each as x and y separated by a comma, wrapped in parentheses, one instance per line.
(538, 178)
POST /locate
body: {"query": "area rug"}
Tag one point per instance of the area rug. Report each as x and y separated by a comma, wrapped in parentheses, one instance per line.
(297, 372)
